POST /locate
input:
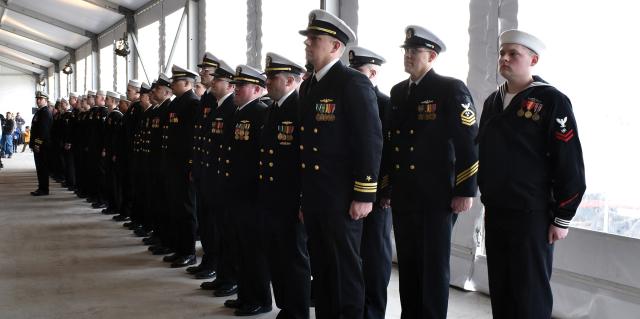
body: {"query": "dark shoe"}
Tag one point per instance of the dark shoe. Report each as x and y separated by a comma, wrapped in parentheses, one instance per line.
(120, 218)
(39, 192)
(98, 205)
(159, 250)
(194, 269)
(233, 303)
(205, 274)
(171, 258)
(128, 225)
(226, 290)
(91, 199)
(211, 285)
(108, 211)
(247, 310)
(140, 232)
(150, 240)
(184, 261)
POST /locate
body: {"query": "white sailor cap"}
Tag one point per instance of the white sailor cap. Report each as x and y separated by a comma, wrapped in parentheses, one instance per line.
(134, 83)
(124, 98)
(163, 80)
(64, 99)
(275, 63)
(73, 94)
(101, 92)
(522, 38)
(224, 71)
(323, 22)
(112, 94)
(91, 93)
(359, 56)
(145, 88)
(209, 61)
(417, 36)
(180, 73)
(247, 74)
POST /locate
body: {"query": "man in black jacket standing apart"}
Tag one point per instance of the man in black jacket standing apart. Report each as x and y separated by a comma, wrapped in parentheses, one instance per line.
(532, 180)
(341, 147)
(434, 163)
(40, 142)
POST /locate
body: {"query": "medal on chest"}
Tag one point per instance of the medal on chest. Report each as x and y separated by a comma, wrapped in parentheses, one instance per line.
(285, 133)
(427, 110)
(530, 109)
(325, 110)
(242, 130)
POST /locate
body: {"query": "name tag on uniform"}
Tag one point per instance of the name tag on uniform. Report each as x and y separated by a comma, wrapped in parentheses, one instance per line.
(242, 130)
(427, 110)
(325, 109)
(285, 133)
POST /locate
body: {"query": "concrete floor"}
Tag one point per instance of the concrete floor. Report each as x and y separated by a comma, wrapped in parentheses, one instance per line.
(62, 259)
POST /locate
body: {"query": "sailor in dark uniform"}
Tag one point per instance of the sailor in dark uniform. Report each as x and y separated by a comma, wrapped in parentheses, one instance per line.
(341, 147)
(178, 141)
(40, 142)
(279, 191)
(531, 179)
(201, 174)
(67, 120)
(111, 151)
(69, 152)
(375, 248)
(433, 166)
(239, 168)
(97, 119)
(222, 89)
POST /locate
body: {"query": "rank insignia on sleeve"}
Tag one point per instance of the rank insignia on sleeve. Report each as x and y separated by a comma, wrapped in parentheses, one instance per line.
(242, 130)
(563, 134)
(427, 110)
(218, 125)
(468, 117)
(285, 133)
(325, 110)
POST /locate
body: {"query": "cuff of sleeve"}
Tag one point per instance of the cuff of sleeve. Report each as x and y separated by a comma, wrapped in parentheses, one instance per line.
(562, 223)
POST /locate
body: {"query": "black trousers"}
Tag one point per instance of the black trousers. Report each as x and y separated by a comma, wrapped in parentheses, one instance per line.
(376, 254)
(41, 157)
(288, 260)
(423, 243)
(69, 168)
(141, 211)
(334, 247)
(158, 200)
(227, 271)
(207, 226)
(126, 177)
(114, 184)
(519, 260)
(253, 271)
(182, 214)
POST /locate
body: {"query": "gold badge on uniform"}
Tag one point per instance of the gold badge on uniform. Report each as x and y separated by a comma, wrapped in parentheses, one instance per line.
(173, 118)
(325, 110)
(427, 110)
(285, 133)
(242, 130)
(217, 126)
(410, 33)
(468, 117)
(268, 62)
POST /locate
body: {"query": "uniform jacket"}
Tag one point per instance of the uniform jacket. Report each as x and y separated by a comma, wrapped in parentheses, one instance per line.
(202, 135)
(384, 111)
(530, 153)
(240, 156)
(432, 153)
(41, 128)
(113, 133)
(341, 140)
(279, 175)
(179, 131)
(157, 124)
(130, 121)
(68, 126)
(96, 125)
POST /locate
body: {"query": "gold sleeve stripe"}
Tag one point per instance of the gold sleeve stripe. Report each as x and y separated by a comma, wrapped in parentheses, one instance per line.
(366, 184)
(364, 190)
(467, 173)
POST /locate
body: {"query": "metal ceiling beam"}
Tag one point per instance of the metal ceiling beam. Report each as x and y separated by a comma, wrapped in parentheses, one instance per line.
(17, 68)
(36, 38)
(47, 19)
(28, 52)
(23, 61)
(114, 7)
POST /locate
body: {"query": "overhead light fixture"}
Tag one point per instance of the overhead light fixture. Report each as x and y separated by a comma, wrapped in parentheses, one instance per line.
(67, 69)
(122, 46)
(42, 82)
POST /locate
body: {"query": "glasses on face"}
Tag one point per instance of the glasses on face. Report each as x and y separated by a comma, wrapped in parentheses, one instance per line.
(413, 51)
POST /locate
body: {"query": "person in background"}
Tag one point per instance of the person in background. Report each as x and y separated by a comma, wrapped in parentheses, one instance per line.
(199, 87)
(26, 136)
(6, 142)
(19, 122)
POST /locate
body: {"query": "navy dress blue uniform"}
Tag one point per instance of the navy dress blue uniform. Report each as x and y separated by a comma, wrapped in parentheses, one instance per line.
(239, 166)
(80, 147)
(112, 147)
(279, 200)
(182, 114)
(68, 124)
(532, 176)
(131, 118)
(375, 249)
(95, 144)
(40, 143)
(341, 143)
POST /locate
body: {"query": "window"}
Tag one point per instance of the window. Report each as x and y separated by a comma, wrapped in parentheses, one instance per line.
(51, 84)
(121, 74)
(227, 30)
(81, 75)
(106, 67)
(149, 43)
(65, 82)
(607, 123)
(384, 33)
(280, 32)
(172, 23)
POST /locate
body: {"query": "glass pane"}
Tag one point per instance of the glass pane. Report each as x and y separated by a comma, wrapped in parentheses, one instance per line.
(227, 30)
(280, 32)
(384, 33)
(121, 74)
(172, 22)
(64, 83)
(149, 46)
(607, 126)
(106, 67)
(80, 75)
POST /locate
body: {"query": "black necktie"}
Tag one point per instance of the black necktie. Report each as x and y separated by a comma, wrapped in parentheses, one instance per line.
(313, 83)
(412, 91)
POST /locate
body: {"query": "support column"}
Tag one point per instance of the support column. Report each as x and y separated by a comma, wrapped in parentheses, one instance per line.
(254, 33)
(193, 33)
(132, 58)
(95, 57)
